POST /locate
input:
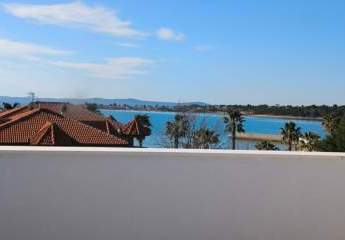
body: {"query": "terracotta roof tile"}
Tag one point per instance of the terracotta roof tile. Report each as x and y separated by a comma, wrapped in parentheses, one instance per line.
(32, 127)
(77, 112)
(88, 135)
(8, 114)
(52, 135)
(133, 128)
(44, 136)
(113, 126)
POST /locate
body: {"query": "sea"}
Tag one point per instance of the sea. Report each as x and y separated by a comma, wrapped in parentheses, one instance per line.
(252, 124)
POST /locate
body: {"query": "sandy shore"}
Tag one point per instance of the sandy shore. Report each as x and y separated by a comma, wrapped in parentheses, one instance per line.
(259, 137)
(285, 117)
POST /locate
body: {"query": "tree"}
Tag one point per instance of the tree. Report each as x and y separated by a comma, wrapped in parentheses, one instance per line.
(290, 133)
(233, 124)
(266, 145)
(335, 142)
(309, 142)
(329, 123)
(177, 129)
(205, 138)
(8, 106)
(144, 125)
(192, 124)
(92, 107)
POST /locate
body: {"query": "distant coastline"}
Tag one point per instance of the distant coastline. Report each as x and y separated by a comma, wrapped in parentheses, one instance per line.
(302, 112)
(319, 119)
(285, 117)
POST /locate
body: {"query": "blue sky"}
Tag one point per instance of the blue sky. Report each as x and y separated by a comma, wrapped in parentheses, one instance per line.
(224, 51)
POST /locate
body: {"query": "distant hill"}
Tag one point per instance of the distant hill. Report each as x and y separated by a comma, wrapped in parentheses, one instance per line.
(104, 101)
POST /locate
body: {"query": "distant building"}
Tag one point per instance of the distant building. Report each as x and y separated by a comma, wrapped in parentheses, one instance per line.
(61, 124)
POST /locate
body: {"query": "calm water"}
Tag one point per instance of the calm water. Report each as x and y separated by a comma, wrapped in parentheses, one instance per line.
(262, 125)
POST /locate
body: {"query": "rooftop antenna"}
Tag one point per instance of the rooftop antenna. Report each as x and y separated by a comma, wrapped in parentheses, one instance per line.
(32, 95)
(63, 109)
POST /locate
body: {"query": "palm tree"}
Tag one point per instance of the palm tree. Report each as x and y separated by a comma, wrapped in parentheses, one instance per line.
(310, 142)
(177, 129)
(144, 125)
(233, 124)
(266, 145)
(335, 142)
(9, 106)
(204, 138)
(290, 134)
(329, 123)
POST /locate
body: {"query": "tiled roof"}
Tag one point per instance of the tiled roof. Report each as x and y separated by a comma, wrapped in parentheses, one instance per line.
(76, 112)
(81, 113)
(113, 126)
(134, 128)
(8, 114)
(88, 135)
(46, 127)
(24, 125)
(52, 135)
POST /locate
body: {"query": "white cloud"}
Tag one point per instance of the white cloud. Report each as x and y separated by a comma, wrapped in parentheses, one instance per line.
(23, 49)
(202, 48)
(113, 68)
(76, 14)
(168, 34)
(128, 45)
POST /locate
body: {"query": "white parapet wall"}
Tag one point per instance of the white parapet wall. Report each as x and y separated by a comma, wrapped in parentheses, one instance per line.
(157, 194)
